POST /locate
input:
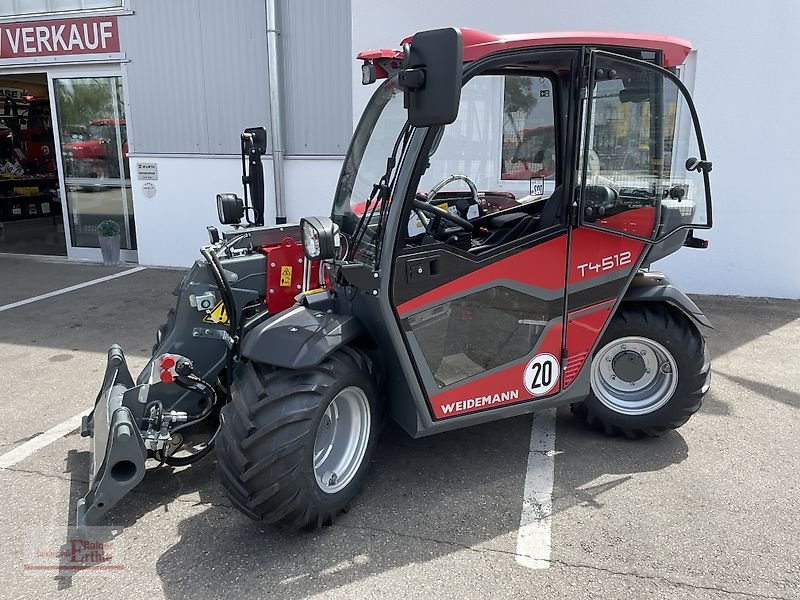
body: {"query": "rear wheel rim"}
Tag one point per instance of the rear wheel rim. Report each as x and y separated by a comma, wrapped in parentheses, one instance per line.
(634, 375)
(341, 440)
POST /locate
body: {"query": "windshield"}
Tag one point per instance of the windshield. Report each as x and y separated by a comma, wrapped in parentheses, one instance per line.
(365, 164)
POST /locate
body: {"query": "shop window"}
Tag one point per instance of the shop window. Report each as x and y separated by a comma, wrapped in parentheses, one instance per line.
(11, 8)
(529, 134)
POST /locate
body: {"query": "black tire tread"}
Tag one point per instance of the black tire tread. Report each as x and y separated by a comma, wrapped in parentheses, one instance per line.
(656, 316)
(267, 428)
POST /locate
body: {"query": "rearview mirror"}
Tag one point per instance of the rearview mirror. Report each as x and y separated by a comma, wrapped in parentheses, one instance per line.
(432, 77)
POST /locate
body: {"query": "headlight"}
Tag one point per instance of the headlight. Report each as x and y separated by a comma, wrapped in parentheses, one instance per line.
(230, 209)
(318, 238)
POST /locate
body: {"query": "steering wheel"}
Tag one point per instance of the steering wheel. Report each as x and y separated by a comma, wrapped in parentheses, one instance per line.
(422, 205)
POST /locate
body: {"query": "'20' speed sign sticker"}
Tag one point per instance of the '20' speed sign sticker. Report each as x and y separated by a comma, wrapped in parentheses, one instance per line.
(541, 374)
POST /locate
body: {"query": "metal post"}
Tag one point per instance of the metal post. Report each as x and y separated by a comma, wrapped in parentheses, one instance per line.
(276, 109)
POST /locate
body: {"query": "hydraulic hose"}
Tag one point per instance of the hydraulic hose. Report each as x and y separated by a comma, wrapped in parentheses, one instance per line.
(182, 461)
(211, 396)
(228, 302)
(225, 290)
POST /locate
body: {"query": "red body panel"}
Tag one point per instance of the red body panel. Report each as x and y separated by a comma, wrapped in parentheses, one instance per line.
(478, 44)
(593, 254)
(284, 274)
(639, 221)
(583, 328)
(541, 266)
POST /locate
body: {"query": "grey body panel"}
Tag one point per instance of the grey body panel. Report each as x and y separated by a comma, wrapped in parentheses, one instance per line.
(201, 341)
(656, 287)
(300, 337)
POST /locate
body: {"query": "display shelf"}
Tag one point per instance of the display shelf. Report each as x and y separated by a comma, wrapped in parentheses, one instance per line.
(19, 180)
(24, 196)
(20, 208)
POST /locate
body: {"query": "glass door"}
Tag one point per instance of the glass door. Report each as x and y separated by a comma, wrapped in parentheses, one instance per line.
(92, 134)
(645, 171)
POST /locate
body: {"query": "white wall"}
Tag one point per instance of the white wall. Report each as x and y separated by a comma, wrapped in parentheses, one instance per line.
(744, 89)
(171, 226)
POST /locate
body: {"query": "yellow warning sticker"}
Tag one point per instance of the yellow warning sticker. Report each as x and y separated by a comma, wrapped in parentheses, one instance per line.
(286, 276)
(218, 314)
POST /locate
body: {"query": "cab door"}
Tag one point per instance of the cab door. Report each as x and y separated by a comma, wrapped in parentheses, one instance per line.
(483, 317)
(643, 186)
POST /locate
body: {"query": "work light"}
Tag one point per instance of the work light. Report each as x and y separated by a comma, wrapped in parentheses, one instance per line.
(230, 209)
(318, 238)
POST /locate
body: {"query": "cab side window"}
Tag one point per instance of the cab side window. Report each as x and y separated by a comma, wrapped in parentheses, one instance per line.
(639, 136)
(505, 144)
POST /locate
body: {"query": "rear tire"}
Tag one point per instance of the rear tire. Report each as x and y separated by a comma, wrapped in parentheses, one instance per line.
(660, 399)
(275, 431)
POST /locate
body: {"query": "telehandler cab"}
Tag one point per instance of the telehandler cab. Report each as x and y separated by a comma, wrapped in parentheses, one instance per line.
(439, 308)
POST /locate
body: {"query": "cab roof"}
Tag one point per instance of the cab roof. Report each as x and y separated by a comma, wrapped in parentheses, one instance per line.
(478, 44)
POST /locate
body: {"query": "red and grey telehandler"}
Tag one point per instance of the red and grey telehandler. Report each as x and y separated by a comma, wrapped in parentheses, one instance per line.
(444, 289)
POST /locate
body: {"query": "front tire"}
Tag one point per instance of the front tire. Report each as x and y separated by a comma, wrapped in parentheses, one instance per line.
(295, 445)
(648, 375)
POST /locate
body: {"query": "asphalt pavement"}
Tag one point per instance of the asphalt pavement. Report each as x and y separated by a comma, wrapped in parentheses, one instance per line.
(708, 511)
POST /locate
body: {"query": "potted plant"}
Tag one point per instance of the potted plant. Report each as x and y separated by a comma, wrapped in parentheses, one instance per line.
(108, 234)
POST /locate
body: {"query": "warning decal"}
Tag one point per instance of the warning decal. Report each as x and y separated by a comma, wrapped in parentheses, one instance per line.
(286, 276)
(218, 314)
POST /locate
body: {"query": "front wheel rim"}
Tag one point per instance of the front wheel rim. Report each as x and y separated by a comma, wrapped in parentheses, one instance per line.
(341, 440)
(634, 375)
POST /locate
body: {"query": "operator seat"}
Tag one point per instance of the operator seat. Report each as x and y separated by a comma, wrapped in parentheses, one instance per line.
(512, 226)
(552, 210)
(506, 228)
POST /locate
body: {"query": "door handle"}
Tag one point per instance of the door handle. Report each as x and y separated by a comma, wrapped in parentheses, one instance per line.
(421, 268)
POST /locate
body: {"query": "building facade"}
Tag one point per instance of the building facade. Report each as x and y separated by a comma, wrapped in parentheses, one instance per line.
(147, 100)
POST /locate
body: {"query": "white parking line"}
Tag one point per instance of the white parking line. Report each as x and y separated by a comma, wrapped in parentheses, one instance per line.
(23, 451)
(71, 288)
(533, 537)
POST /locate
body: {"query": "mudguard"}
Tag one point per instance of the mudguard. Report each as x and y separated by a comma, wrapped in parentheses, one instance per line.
(656, 287)
(300, 337)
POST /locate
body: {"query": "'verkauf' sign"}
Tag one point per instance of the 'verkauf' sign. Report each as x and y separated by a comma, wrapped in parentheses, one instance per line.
(96, 35)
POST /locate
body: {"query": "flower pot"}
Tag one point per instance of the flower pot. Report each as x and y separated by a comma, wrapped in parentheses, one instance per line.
(109, 246)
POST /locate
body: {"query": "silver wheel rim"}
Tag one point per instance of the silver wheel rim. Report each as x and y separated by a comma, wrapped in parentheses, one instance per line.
(341, 440)
(634, 375)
